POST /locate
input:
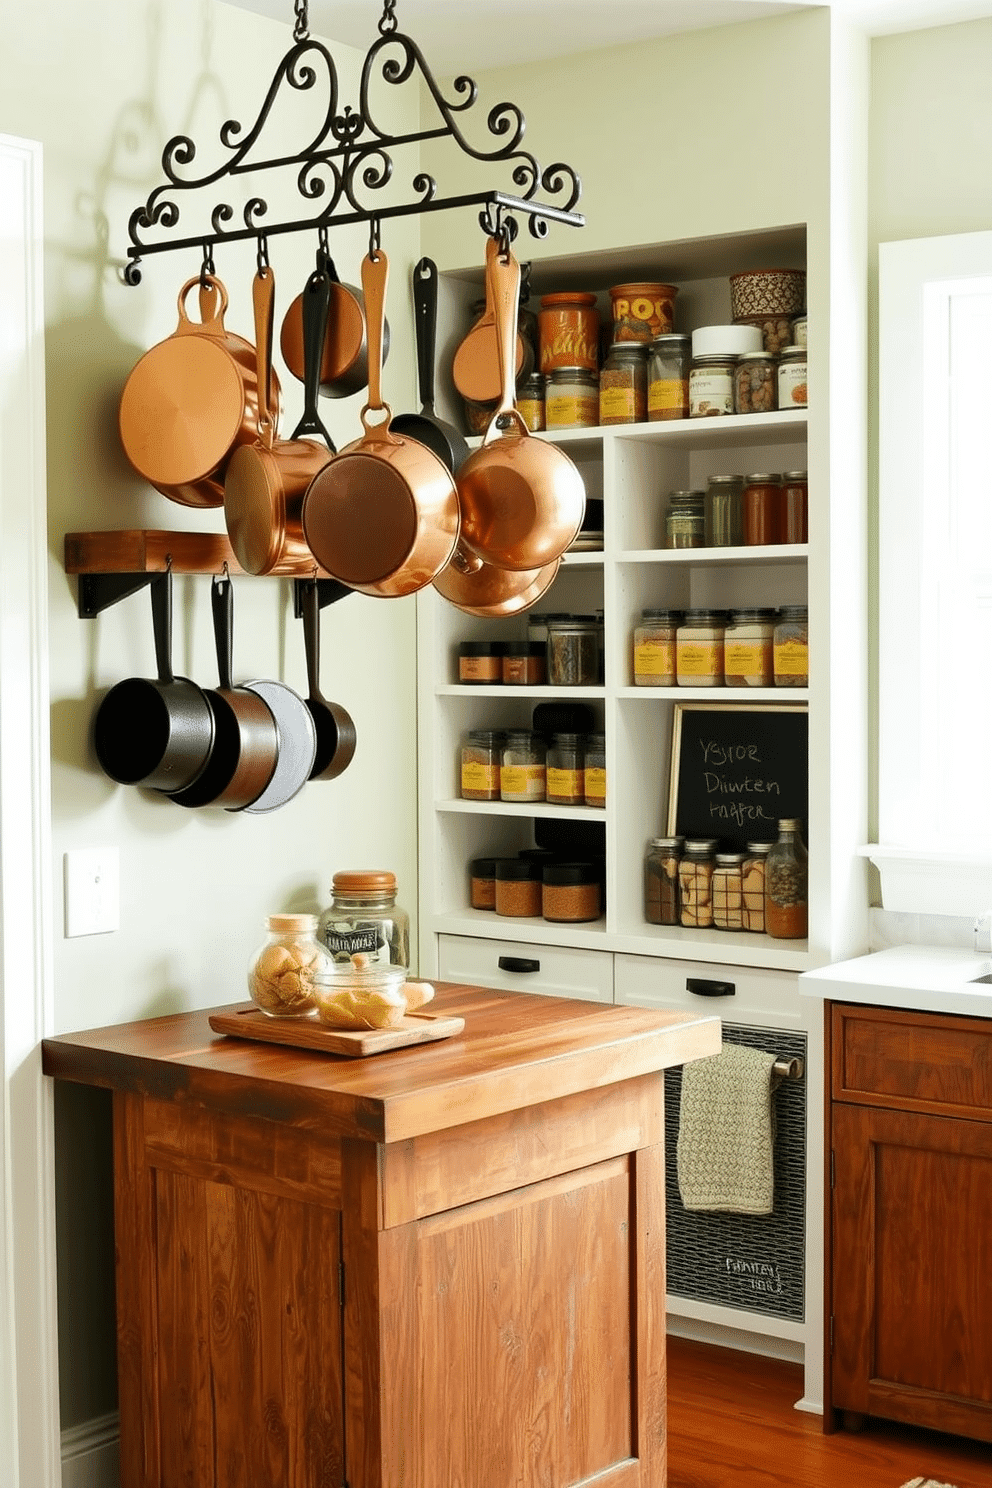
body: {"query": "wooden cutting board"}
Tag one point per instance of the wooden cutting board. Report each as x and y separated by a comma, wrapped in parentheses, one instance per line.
(248, 1021)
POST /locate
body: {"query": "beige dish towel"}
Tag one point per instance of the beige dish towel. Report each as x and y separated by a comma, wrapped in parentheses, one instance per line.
(726, 1131)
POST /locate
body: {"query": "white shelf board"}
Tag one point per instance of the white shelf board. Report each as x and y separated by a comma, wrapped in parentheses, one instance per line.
(787, 426)
(719, 694)
(588, 936)
(711, 557)
(522, 808)
(499, 690)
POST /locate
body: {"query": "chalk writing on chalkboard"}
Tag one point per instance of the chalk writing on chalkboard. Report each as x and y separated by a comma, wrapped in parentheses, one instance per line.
(738, 770)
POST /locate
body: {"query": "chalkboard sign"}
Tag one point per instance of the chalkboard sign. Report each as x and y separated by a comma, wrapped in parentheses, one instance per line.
(737, 770)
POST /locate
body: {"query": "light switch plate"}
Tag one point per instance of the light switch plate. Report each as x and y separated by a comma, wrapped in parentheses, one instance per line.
(92, 891)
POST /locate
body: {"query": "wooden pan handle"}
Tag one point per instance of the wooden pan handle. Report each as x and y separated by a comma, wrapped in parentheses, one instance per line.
(375, 277)
(263, 298)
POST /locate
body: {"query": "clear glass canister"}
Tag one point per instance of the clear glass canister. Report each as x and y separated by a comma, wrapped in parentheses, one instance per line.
(696, 883)
(723, 511)
(364, 917)
(594, 770)
(655, 657)
(530, 401)
(480, 764)
(669, 357)
(282, 972)
(699, 649)
(795, 505)
(685, 523)
(753, 882)
(790, 647)
(661, 880)
(623, 384)
(747, 648)
(573, 651)
(792, 377)
(728, 891)
(762, 510)
(566, 786)
(786, 884)
(711, 385)
(523, 774)
(755, 383)
(571, 399)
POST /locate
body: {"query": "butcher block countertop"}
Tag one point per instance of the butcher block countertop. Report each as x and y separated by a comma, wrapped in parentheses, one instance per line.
(518, 1049)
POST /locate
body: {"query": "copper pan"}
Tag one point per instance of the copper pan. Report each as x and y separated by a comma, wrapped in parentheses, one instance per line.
(191, 400)
(494, 593)
(477, 370)
(344, 360)
(382, 516)
(266, 481)
(522, 498)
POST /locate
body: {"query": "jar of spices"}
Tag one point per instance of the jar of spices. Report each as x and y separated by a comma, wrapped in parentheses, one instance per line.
(522, 773)
(571, 892)
(792, 377)
(480, 662)
(571, 399)
(568, 331)
(755, 383)
(594, 770)
(482, 883)
(728, 891)
(685, 525)
(623, 384)
(364, 917)
(790, 647)
(661, 880)
(786, 884)
(669, 357)
(282, 971)
(530, 401)
(794, 507)
(696, 883)
(753, 882)
(762, 510)
(699, 649)
(723, 511)
(524, 663)
(566, 786)
(654, 648)
(518, 887)
(481, 756)
(573, 651)
(711, 385)
(747, 648)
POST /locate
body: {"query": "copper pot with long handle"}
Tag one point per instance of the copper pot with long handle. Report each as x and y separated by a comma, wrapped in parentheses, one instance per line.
(522, 498)
(476, 369)
(382, 516)
(344, 358)
(191, 400)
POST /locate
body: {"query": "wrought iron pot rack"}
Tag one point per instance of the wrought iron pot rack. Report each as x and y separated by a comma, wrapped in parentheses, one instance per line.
(349, 159)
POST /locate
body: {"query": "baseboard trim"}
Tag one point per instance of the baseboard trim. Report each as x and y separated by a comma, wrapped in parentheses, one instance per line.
(91, 1453)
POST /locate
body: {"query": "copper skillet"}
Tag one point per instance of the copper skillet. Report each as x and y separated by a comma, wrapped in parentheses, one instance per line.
(382, 516)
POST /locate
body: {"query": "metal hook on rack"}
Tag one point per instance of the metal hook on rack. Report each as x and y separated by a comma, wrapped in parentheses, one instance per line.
(374, 238)
(207, 270)
(262, 254)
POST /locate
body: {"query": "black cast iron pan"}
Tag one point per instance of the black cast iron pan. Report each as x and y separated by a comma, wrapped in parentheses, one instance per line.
(333, 724)
(441, 438)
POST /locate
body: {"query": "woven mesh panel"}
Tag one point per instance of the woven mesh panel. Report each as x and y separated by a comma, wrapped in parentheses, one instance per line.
(754, 1262)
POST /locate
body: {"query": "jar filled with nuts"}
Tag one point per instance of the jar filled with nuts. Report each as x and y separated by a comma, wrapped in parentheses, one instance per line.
(282, 971)
(755, 383)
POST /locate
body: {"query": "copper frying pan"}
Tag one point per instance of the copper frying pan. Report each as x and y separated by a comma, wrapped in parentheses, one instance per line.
(382, 516)
(344, 360)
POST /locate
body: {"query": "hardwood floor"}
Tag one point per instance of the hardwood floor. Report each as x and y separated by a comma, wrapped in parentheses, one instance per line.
(732, 1423)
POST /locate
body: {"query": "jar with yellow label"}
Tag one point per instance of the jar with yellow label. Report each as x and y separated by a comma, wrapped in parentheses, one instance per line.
(792, 377)
(523, 773)
(654, 648)
(530, 401)
(571, 399)
(668, 376)
(747, 648)
(790, 647)
(623, 384)
(594, 770)
(566, 786)
(699, 649)
(480, 764)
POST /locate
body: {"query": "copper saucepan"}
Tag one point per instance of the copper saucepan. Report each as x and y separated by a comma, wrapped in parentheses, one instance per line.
(522, 499)
(266, 481)
(382, 516)
(476, 369)
(192, 399)
(344, 359)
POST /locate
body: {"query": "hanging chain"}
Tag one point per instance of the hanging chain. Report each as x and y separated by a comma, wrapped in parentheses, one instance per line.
(387, 21)
(301, 27)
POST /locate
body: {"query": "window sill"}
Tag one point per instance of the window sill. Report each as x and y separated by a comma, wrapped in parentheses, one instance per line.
(916, 881)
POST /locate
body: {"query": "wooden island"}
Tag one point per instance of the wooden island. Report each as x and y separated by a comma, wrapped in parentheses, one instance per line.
(439, 1267)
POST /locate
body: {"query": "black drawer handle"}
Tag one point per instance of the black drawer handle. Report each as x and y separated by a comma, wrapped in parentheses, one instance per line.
(705, 988)
(517, 963)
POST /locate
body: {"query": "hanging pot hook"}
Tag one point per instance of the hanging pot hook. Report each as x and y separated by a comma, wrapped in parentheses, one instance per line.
(262, 255)
(374, 238)
(207, 270)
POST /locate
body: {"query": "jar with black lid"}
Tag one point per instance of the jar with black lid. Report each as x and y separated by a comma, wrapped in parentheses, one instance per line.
(571, 892)
(480, 663)
(482, 883)
(518, 887)
(524, 663)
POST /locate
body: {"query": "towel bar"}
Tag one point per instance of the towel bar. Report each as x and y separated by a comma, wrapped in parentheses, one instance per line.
(789, 1069)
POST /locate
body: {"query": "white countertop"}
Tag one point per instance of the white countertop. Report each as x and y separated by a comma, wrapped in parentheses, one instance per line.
(935, 979)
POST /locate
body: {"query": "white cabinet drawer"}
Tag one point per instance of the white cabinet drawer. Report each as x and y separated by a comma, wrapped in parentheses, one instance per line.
(752, 993)
(555, 971)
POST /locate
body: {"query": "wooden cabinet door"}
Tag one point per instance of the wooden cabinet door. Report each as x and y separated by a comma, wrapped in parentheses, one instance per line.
(911, 1284)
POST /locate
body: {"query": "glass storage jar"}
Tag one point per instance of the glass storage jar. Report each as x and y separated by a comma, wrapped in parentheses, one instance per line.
(571, 399)
(362, 996)
(530, 401)
(661, 880)
(623, 384)
(482, 883)
(723, 511)
(524, 663)
(573, 651)
(571, 892)
(792, 377)
(791, 647)
(699, 649)
(282, 972)
(755, 383)
(594, 770)
(480, 764)
(711, 385)
(786, 883)
(364, 917)
(696, 883)
(669, 357)
(566, 786)
(753, 883)
(762, 509)
(655, 663)
(518, 887)
(522, 773)
(795, 503)
(728, 891)
(685, 525)
(747, 648)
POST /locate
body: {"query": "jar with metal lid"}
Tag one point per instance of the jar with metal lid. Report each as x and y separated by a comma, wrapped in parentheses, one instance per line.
(699, 649)
(566, 786)
(524, 663)
(282, 971)
(482, 883)
(696, 883)
(753, 885)
(537, 624)
(792, 377)
(795, 503)
(594, 770)
(518, 887)
(711, 385)
(661, 880)
(762, 510)
(755, 383)
(522, 773)
(723, 511)
(364, 917)
(790, 647)
(728, 891)
(568, 331)
(623, 384)
(669, 357)
(571, 892)
(480, 662)
(655, 661)
(481, 755)
(786, 883)
(530, 401)
(684, 521)
(799, 331)
(573, 651)
(747, 648)
(571, 399)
